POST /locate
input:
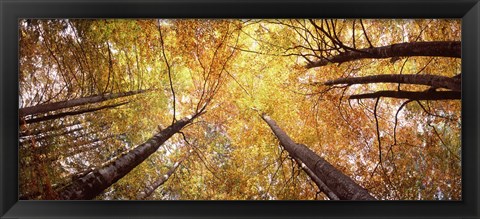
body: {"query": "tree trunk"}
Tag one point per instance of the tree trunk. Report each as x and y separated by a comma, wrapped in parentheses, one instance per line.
(93, 183)
(29, 133)
(149, 190)
(412, 95)
(41, 138)
(320, 184)
(47, 107)
(438, 48)
(71, 113)
(50, 158)
(344, 187)
(430, 80)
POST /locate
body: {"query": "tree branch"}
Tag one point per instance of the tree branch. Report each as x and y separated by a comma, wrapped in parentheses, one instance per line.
(436, 81)
(168, 69)
(412, 95)
(434, 48)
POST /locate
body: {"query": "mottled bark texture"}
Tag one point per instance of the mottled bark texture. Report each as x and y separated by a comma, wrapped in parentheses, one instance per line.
(344, 187)
(436, 81)
(412, 95)
(93, 183)
(436, 48)
(47, 107)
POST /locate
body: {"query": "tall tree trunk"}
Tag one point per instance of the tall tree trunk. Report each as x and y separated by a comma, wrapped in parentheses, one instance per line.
(436, 48)
(71, 113)
(150, 189)
(344, 187)
(47, 107)
(320, 184)
(84, 147)
(41, 138)
(29, 133)
(436, 81)
(93, 183)
(411, 95)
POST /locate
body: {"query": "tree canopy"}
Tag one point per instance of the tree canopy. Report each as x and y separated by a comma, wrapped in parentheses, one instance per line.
(187, 109)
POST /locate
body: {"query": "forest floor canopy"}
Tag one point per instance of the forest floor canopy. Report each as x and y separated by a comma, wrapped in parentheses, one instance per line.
(183, 109)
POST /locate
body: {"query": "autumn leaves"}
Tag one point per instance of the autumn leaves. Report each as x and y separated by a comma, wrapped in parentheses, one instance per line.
(364, 96)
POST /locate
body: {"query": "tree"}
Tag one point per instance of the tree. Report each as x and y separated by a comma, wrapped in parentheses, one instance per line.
(334, 39)
(71, 113)
(44, 108)
(56, 134)
(149, 190)
(442, 49)
(341, 185)
(92, 183)
(49, 129)
(435, 81)
(383, 108)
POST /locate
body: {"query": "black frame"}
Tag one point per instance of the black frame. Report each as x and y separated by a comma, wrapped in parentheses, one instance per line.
(11, 11)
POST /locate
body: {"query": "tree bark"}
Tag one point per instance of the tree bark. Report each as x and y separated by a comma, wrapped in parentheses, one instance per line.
(93, 183)
(28, 133)
(71, 113)
(436, 81)
(435, 48)
(344, 187)
(41, 138)
(320, 184)
(149, 190)
(47, 107)
(412, 95)
(73, 149)
(84, 147)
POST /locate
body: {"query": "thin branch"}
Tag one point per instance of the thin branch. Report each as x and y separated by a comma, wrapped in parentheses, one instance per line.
(443, 143)
(168, 70)
(365, 34)
(378, 135)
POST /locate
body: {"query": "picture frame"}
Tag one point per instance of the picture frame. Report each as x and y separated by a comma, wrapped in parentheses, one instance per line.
(12, 11)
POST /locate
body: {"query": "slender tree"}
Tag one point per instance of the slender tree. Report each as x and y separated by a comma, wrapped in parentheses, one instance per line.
(320, 184)
(77, 149)
(344, 187)
(160, 181)
(72, 113)
(94, 182)
(47, 130)
(47, 107)
(66, 132)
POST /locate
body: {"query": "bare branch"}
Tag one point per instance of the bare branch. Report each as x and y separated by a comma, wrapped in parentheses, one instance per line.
(436, 81)
(434, 48)
(168, 70)
(412, 95)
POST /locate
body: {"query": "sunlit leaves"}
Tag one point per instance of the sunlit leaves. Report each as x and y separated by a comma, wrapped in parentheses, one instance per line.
(238, 69)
